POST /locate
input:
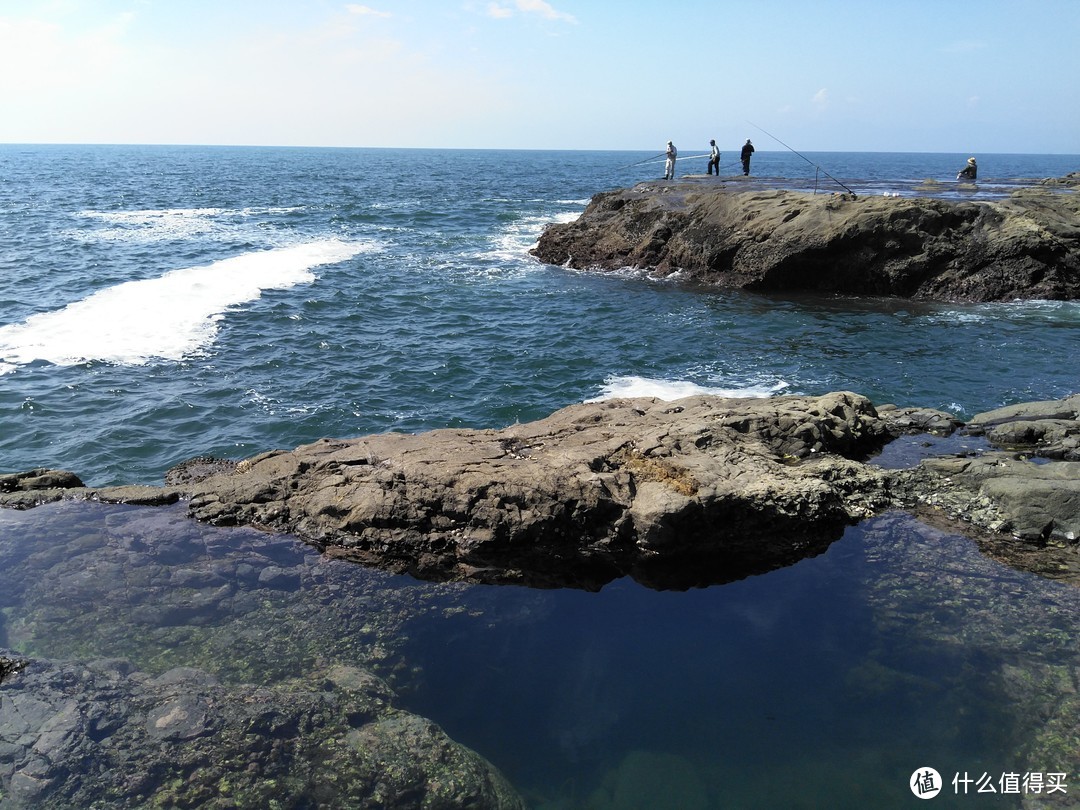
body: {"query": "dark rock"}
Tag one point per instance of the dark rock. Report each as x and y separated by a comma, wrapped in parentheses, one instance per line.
(1026, 246)
(102, 734)
(39, 479)
(26, 490)
(918, 420)
(197, 469)
(10, 665)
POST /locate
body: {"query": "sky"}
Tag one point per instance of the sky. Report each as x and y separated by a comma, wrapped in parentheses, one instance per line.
(978, 76)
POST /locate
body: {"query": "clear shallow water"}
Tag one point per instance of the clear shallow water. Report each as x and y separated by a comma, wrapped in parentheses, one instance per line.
(160, 303)
(825, 684)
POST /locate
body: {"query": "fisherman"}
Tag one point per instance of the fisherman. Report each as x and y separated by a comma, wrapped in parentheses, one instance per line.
(714, 157)
(747, 151)
(969, 171)
(669, 165)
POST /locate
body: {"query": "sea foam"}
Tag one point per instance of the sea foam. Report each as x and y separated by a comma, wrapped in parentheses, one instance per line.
(667, 390)
(174, 224)
(168, 317)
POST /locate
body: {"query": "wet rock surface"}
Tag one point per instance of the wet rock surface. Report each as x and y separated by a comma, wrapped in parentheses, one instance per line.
(1026, 246)
(1026, 487)
(674, 494)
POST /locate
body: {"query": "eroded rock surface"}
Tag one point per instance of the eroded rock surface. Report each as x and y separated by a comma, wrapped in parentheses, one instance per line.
(660, 491)
(1024, 247)
(678, 494)
(674, 494)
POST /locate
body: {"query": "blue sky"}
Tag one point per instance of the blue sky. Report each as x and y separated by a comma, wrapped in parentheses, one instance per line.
(865, 75)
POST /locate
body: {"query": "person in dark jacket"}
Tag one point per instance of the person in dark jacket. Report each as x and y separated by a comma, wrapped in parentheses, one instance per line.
(969, 171)
(747, 151)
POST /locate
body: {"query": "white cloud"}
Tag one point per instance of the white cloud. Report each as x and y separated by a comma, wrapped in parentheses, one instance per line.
(499, 12)
(544, 9)
(821, 96)
(541, 7)
(366, 11)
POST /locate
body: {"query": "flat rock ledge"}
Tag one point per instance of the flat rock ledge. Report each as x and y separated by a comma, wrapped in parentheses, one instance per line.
(1026, 246)
(680, 494)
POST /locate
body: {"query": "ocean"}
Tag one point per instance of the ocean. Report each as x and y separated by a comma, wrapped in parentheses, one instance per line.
(159, 303)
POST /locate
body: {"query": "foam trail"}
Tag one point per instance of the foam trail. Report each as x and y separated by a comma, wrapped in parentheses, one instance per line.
(168, 317)
(667, 390)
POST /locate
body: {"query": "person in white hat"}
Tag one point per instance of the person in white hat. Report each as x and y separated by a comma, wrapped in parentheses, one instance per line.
(969, 171)
(744, 156)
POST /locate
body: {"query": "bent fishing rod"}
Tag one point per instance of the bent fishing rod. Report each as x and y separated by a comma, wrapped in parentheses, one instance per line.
(804, 157)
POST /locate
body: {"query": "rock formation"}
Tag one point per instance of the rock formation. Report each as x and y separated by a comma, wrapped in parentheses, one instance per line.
(693, 492)
(1026, 246)
(1027, 486)
(678, 494)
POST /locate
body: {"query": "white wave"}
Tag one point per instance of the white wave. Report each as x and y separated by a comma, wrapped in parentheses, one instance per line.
(156, 225)
(512, 243)
(667, 390)
(168, 317)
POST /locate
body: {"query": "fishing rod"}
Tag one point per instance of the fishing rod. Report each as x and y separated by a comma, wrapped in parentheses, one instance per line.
(662, 159)
(804, 157)
(646, 160)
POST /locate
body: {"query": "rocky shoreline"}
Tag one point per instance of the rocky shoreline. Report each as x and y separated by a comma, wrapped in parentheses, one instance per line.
(679, 494)
(674, 494)
(1026, 246)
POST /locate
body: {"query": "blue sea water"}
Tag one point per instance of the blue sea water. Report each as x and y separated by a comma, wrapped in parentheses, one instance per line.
(159, 303)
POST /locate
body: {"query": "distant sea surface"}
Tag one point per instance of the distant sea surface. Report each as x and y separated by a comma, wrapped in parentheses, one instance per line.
(158, 303)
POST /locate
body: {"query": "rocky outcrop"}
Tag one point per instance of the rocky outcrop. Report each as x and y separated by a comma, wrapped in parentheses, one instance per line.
(678, 494)
(674, 494)
(1026, 246)
(101, 733)
(1027, 486)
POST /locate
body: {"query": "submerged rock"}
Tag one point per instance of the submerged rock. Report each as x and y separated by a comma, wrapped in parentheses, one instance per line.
(1024, 247)
(102, 734)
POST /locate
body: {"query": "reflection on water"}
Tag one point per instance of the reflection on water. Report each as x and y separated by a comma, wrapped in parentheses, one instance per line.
(825, 684)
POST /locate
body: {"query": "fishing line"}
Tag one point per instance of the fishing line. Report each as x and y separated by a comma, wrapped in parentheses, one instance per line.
(663, 159)
(804, 157)
(646, 160)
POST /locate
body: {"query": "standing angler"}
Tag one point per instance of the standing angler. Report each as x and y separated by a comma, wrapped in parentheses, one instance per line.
(669, 165)
(714, 157)
(747, 151)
